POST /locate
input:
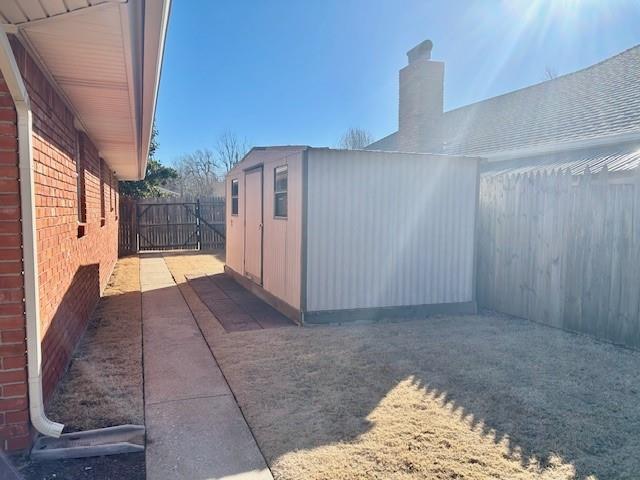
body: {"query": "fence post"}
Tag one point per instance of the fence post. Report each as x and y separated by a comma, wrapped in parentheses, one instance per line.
(198, 231)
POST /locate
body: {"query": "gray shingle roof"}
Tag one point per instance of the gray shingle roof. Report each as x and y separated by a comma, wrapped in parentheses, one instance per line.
(598, 101)
(616, 158)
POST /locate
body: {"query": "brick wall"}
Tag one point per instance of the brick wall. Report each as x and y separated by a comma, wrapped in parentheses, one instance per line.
(74, 263)
(14, 427)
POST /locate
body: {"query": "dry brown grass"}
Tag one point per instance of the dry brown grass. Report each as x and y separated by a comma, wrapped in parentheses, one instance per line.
(103, 385)
(445, 398)
(475, 397)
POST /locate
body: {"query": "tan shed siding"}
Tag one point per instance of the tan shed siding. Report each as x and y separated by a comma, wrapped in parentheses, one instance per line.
(281, 257)
(389, 229)
(282, 237)
(235, 224)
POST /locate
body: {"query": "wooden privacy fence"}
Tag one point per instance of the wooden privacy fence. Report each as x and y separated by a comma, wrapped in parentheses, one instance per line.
(563, 250)
(127, 226)
(171, 224)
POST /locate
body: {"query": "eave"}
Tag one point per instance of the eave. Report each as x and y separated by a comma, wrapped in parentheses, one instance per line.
(104, 58)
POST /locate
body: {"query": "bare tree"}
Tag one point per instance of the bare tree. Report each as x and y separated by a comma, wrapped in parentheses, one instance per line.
(550, 73)
(230, 150)
(198, 173)
(201, 173)
(355, 139)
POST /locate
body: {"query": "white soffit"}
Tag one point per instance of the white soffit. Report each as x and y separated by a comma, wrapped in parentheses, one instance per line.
(104, 57)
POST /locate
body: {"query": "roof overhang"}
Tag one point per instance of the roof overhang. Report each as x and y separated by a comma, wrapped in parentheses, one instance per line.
(104, 58)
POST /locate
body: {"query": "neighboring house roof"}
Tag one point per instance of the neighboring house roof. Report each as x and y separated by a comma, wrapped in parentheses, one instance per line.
(104, 59)
(615, 158)
(385, 143)
(601, 100)
(598, 102)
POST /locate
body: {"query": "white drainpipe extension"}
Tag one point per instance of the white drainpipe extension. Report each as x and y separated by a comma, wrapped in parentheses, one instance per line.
(14, 81)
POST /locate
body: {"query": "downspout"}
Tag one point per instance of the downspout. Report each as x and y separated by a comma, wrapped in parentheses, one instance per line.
(13, 78)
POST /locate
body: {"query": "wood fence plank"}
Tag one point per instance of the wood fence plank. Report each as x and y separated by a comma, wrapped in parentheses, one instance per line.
(563, 250)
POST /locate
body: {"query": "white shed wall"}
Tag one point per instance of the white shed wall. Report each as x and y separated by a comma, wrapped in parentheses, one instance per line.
(282, 238)
(389, 229)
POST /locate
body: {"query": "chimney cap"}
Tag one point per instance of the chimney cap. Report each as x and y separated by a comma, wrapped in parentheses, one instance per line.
(420, 51)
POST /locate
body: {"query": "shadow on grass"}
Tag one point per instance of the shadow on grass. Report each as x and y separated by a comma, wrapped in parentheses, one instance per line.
(101, 378)
(541, 392)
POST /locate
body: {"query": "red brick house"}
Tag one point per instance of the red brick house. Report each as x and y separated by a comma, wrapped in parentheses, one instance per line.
(78, 84)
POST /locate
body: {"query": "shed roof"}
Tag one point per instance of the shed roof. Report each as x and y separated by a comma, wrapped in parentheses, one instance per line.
(267, 153)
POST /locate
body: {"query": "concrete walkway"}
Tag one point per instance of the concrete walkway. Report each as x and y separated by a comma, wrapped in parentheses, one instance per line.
(195, 429)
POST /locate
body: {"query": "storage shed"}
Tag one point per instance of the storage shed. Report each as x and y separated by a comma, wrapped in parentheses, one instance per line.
(335, 235)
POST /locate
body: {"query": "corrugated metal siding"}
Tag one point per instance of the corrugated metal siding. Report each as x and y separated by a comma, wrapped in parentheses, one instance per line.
(282, 237)
(389, 229)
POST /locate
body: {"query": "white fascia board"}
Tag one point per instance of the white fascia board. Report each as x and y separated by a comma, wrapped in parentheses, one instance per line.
(156, 18)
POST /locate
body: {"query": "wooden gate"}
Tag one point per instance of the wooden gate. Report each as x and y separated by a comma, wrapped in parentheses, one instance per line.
(149, 225)
(167, 226)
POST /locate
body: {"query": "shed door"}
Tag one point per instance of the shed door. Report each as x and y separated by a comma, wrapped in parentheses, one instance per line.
(253, 225)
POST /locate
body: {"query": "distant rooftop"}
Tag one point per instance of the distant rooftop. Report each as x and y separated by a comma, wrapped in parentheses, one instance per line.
(600, 101)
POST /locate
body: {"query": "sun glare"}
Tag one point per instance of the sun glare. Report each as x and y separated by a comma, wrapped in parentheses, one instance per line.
(556, 10)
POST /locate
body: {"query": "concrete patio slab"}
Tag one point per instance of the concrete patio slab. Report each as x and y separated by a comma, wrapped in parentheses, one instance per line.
(184, 442)
(195, 429)
(182, 371)
(166, 330)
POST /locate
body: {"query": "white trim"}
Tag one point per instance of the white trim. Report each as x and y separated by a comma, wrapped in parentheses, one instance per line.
(128, 17)
(152, 36)
(144, 25)
(12, 76)
(9, 28)
(26, 43)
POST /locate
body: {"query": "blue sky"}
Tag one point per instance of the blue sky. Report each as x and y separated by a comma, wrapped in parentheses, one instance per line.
(303, 71)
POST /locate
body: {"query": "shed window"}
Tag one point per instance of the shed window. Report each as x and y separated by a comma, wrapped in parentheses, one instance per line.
(234, 196)
(280, 191)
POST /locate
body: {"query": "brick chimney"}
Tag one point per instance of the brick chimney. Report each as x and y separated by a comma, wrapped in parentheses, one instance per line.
(421, 101)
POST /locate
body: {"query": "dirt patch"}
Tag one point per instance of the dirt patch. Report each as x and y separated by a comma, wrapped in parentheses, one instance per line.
(473, 397)
(103, 385)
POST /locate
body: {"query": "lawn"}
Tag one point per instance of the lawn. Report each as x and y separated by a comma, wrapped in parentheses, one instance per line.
(103, 385)
(483, 396)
